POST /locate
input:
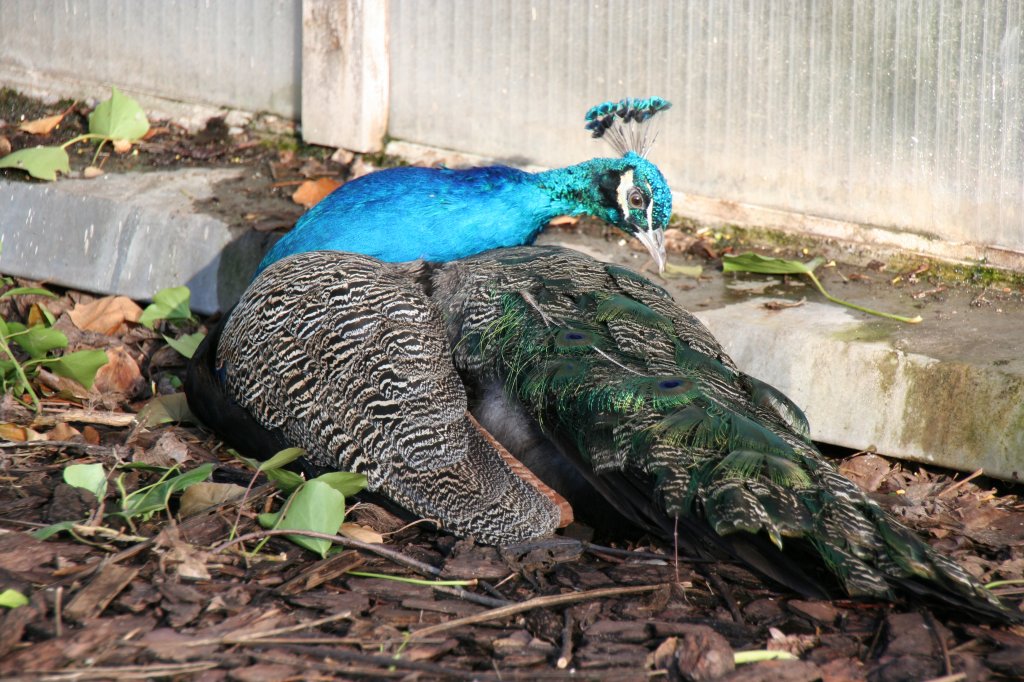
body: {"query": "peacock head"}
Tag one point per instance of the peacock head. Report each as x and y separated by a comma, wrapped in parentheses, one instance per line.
(632, 192)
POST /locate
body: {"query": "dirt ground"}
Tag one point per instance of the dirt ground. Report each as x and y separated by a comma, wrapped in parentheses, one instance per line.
(174, 597)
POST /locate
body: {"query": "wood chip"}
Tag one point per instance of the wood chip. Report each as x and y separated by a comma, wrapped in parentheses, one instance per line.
(90, 601)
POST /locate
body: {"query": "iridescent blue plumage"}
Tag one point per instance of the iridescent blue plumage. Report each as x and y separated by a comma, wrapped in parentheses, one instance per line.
(440, 214)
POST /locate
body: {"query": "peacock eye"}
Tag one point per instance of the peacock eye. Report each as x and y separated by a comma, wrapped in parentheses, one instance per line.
(635, 198)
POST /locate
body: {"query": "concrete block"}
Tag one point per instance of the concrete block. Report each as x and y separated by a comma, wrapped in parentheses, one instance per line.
(864, 383)
(130, 234)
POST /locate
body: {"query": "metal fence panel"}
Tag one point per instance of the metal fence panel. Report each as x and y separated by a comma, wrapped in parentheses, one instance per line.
(243, 54)
(899, 113)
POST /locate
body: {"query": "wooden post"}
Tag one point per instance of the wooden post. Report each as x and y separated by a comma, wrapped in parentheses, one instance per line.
(345, 73)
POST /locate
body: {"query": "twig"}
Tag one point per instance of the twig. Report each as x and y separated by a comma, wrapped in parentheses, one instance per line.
(933, 628)
(257, 636)
(391, 554)
(725, 593)
(58, 607)
(115, 419)
(960, 483)
(565, 656)
(126, 672)
(70, 446)
(482, 599)
(529, 605)
(638, 554)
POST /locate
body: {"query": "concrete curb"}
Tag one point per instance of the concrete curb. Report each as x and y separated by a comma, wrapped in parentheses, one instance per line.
(131, 234)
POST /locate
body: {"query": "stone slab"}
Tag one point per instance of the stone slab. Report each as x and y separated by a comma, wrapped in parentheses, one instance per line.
(130, 234)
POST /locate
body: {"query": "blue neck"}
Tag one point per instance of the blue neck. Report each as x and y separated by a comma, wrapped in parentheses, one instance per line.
(403, 214)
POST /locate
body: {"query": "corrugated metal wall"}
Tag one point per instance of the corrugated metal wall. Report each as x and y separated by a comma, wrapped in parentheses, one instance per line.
(903, 113)
(235, 53)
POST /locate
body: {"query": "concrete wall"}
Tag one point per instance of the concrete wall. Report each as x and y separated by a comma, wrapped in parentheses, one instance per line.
(904, 114)
(240, 54)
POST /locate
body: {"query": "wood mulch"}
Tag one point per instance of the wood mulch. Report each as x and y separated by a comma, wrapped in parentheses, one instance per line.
(173, 597)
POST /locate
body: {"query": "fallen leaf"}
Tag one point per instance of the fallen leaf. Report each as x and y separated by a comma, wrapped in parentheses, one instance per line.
(36, 315)
(201, 496)
(90, 172)
(18, 433)
(42, 126)
(91, 435)
(168, 450)
(361, 533)
(189, 560)
(62, 431)
(120, 375)
(105, 315)
(311, 192)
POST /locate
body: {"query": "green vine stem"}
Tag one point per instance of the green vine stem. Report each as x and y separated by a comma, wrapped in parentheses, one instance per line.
(21, 374)
(899, 318)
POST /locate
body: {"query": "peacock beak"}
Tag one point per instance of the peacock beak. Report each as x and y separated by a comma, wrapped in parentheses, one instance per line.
(654, 241)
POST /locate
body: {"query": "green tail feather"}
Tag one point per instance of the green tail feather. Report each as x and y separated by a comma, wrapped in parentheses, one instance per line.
(602, 359)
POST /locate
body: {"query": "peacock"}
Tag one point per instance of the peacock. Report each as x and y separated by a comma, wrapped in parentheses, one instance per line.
(501, 392)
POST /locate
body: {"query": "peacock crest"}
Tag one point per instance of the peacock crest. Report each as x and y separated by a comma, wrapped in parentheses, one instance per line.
(626, 124)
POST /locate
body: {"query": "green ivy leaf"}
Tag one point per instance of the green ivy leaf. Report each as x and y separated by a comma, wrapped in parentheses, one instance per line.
(280, 459)
(37, 341)
(12, 599)
(91, 477)
(345, 482)
(54, 528)
(119, 118)
(39, 162)
(23, 291)
(81, 365)
(316, 506)
(766, 265)
(186, 344)
(285, 480)
(168, 304)
(147, 501)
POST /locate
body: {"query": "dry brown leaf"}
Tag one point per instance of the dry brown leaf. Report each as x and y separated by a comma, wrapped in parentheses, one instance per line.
(361, 533)
(90, 172)
(18, 433)
(168, 450)
(311, 192)
(63, 431)
(120, 375)
(42, 126)
(106, 315)
(91, 435)
(35, 315)
(201, 496)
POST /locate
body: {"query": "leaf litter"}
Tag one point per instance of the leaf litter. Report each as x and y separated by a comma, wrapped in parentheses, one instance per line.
(152, 594)
(163, 594)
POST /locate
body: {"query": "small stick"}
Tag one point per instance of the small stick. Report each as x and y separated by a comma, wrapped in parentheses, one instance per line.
(933, 628)
(961, 482)
(565, 657)
(529, 605)
(397, 557)
(58, 607)
(52, 418)
(257, 636)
